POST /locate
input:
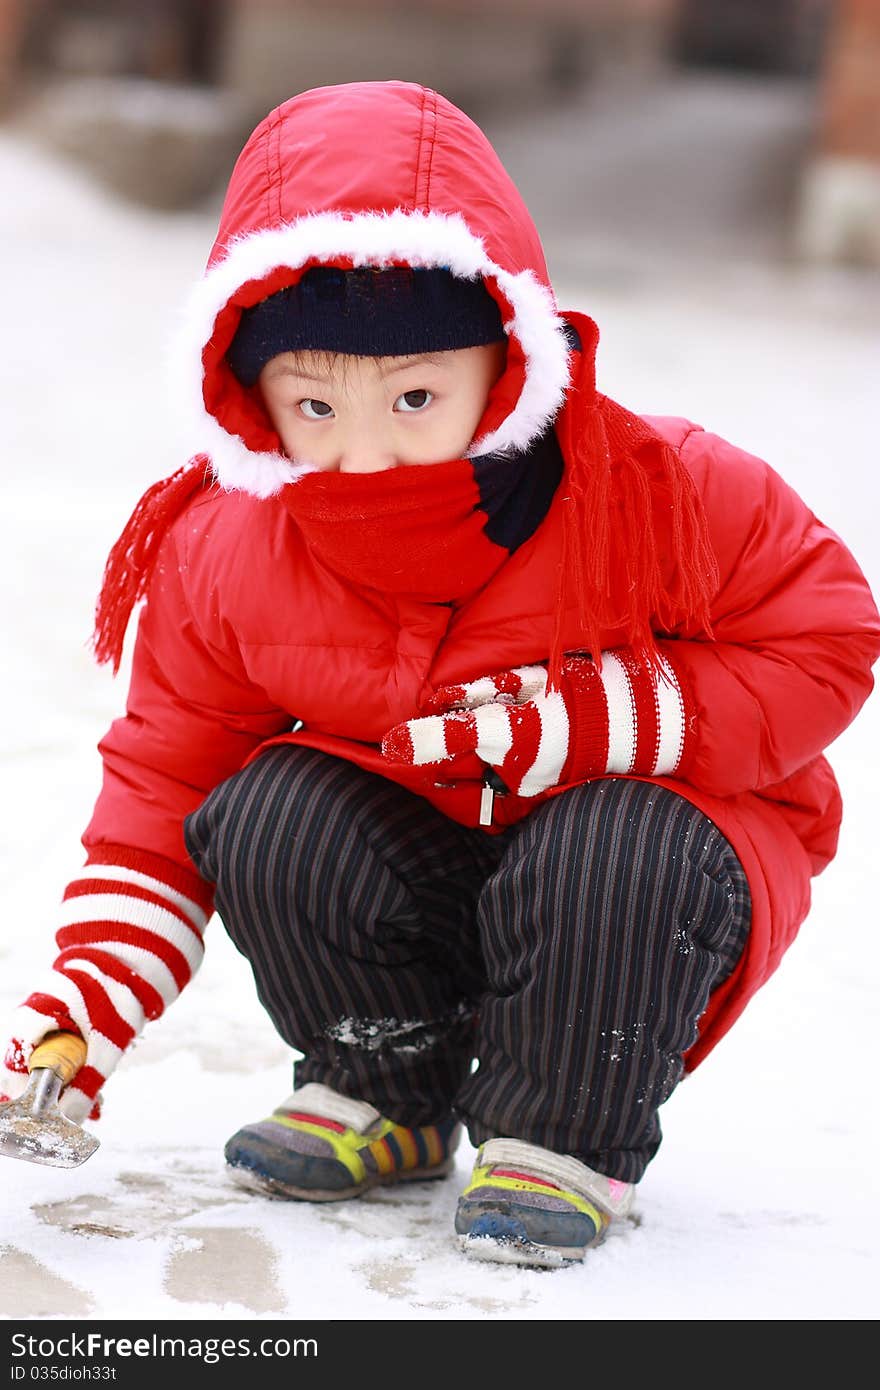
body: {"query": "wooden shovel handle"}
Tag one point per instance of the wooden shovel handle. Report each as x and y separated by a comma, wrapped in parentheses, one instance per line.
(63, 1053)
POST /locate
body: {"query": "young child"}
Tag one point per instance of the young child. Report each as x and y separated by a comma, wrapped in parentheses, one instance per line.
(487, 714)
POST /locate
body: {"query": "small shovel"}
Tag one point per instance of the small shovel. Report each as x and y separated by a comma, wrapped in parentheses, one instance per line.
(33, 1127)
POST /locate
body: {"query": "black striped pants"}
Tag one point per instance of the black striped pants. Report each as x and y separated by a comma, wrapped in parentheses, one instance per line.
(543, 983)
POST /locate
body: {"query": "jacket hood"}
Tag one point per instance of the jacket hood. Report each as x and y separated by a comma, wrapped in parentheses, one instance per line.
(366, 174)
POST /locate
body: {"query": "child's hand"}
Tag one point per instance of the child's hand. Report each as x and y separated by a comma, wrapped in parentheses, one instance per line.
(76, 1103)
(509, 721)
(627, 717)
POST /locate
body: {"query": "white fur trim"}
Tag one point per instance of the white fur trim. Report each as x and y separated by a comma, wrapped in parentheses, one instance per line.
(422, 240)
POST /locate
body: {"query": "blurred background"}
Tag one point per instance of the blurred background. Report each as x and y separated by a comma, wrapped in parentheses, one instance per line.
(746, 124)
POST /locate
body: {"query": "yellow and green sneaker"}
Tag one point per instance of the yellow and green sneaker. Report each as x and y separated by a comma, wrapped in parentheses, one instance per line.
(319, 1146)
(528, 1206)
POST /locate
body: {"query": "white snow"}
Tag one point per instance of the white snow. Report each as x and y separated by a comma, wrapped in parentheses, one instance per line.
(762, 1203)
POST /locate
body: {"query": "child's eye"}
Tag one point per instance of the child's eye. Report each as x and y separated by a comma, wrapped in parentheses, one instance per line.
(315, 410)
(412, 401)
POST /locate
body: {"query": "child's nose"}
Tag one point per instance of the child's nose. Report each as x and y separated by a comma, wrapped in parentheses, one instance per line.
(366, 458)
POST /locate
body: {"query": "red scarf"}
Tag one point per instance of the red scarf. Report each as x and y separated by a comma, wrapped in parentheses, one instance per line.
(417, 530)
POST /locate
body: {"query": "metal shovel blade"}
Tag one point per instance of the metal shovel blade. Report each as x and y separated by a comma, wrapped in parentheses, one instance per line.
(34, 1129)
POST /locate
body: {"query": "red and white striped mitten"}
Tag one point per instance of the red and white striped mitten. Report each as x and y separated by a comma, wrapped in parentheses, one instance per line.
(129, 942)
(627, 717)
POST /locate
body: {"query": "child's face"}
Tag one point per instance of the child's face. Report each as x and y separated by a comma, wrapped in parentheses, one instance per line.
(345, 414)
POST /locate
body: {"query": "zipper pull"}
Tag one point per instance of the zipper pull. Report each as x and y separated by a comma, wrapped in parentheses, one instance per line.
(493, 784)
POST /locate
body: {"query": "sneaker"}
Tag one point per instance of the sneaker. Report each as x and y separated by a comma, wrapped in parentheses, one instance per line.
(320, 1146)
(529, 1206)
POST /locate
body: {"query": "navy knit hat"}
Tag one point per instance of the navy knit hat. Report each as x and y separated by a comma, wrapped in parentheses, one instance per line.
(367, 313)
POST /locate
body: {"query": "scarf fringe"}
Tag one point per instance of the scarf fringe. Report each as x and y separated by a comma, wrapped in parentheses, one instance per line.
(612, 572)
(131, 561)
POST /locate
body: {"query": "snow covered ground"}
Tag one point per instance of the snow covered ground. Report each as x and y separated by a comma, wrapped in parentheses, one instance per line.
(763, 1201)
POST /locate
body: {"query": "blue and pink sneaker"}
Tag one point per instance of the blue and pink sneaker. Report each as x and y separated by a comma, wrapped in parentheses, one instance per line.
(319, 1146)
(528, 1206)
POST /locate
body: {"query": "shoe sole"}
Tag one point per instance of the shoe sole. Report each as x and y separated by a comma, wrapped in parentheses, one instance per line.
(511, 1250)
(254, 1181)
(502, 1236)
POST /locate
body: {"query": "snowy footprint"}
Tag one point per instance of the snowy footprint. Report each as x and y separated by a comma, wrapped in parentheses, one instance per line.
(224, 1265)
(28, 1289)
(141, 1205)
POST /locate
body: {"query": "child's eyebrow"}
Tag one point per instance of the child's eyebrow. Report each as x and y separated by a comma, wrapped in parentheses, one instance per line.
(395, 364)
(302, 376)
(399, 364)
